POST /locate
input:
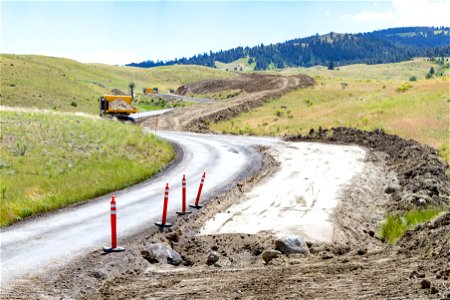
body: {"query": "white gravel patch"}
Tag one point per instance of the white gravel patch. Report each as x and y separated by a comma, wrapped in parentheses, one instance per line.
(297, 200)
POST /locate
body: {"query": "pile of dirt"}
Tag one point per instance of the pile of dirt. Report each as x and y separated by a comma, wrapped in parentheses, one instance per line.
(120, 104)
(418, 174)
(249, 83)
(260, 89)
(431, 244)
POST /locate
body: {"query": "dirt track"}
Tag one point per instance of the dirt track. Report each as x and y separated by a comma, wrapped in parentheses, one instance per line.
(261, 88)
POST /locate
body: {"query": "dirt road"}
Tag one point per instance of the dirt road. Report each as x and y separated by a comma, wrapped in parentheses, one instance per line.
(261, 88)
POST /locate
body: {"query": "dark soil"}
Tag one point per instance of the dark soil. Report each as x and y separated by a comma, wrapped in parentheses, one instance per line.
(248, 83)
(197, 118)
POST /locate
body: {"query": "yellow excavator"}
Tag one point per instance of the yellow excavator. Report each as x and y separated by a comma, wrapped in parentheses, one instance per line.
(117, 106)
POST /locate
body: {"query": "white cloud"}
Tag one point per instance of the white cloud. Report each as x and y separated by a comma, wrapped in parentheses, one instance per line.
(409, 13)
(327, 13)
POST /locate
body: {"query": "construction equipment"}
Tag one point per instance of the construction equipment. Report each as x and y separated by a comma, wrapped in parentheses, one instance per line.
(151, 91)
(117, 106)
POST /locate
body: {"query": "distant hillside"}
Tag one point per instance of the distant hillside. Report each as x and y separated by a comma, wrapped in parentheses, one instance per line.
(67, 85)
(415, 36)
(383, 46)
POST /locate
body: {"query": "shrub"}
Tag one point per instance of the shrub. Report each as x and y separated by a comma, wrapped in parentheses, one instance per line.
(413, 78)
(279, 113)
(308, 102)
(404, 87)
(74, 104)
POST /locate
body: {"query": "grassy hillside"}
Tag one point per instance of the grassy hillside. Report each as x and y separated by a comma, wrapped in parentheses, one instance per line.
(66, 85)
(240, 65)
(50, 160)
(361, 96)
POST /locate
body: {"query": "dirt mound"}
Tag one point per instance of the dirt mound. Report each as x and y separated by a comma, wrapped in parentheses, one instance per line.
(262, 89)
(120, 104)
(249, 83)
(419, 170)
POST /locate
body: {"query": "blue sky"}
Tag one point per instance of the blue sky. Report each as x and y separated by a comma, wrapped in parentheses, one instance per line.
(121, 32)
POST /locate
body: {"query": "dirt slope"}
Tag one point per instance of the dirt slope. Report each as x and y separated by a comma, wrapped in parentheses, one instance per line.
(261, 88)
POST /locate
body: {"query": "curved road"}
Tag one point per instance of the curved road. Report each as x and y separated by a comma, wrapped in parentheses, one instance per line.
(49, 241)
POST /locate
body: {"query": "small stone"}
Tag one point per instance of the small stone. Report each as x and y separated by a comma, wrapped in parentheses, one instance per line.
(415, 274)
(390, 189)
(291, 244)
(434, 290)
(213, 257)
(362, 251)
(425, 284)
(268, 255)
(162, 253)
(327, 256)
(422, 202)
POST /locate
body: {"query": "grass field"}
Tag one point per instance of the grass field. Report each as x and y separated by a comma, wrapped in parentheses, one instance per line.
(66, 85)
(240, 65)
(396, 225)
(51, 160)
(366, 97)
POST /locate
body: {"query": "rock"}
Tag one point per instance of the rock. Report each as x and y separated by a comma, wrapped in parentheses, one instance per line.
(422, 202)
(425, 284)
(390, 189)
(213, 257)
(434, 290)
(415, 274)
(291, 244)
(270, 254)
(327, 256)
(162, 253)
(362, 251)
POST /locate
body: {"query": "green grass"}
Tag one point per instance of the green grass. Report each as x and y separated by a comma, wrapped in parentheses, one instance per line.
(236, 65)
(51, 160)
(66, 85)
(396, 225)
(419, 110)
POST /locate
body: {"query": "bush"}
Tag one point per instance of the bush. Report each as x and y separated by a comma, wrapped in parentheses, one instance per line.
(413, 78)
(279, 113)
(404, 87)
(74, 104)
(308, 102)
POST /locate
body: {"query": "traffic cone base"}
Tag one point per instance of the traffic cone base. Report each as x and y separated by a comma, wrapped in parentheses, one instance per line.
(165, 225)
(198, 206)
(181, 213)
(108, 249)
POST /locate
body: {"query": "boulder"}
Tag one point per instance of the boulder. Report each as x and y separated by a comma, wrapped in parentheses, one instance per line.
(213, 257)
(291, 244)
(270, 254)
(162, 253)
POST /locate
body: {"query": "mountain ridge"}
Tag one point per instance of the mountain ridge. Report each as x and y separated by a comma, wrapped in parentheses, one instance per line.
(380, 46)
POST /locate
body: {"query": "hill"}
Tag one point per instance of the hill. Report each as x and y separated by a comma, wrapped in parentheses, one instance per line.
(67, 85)
(395, 97)
(383, 46)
